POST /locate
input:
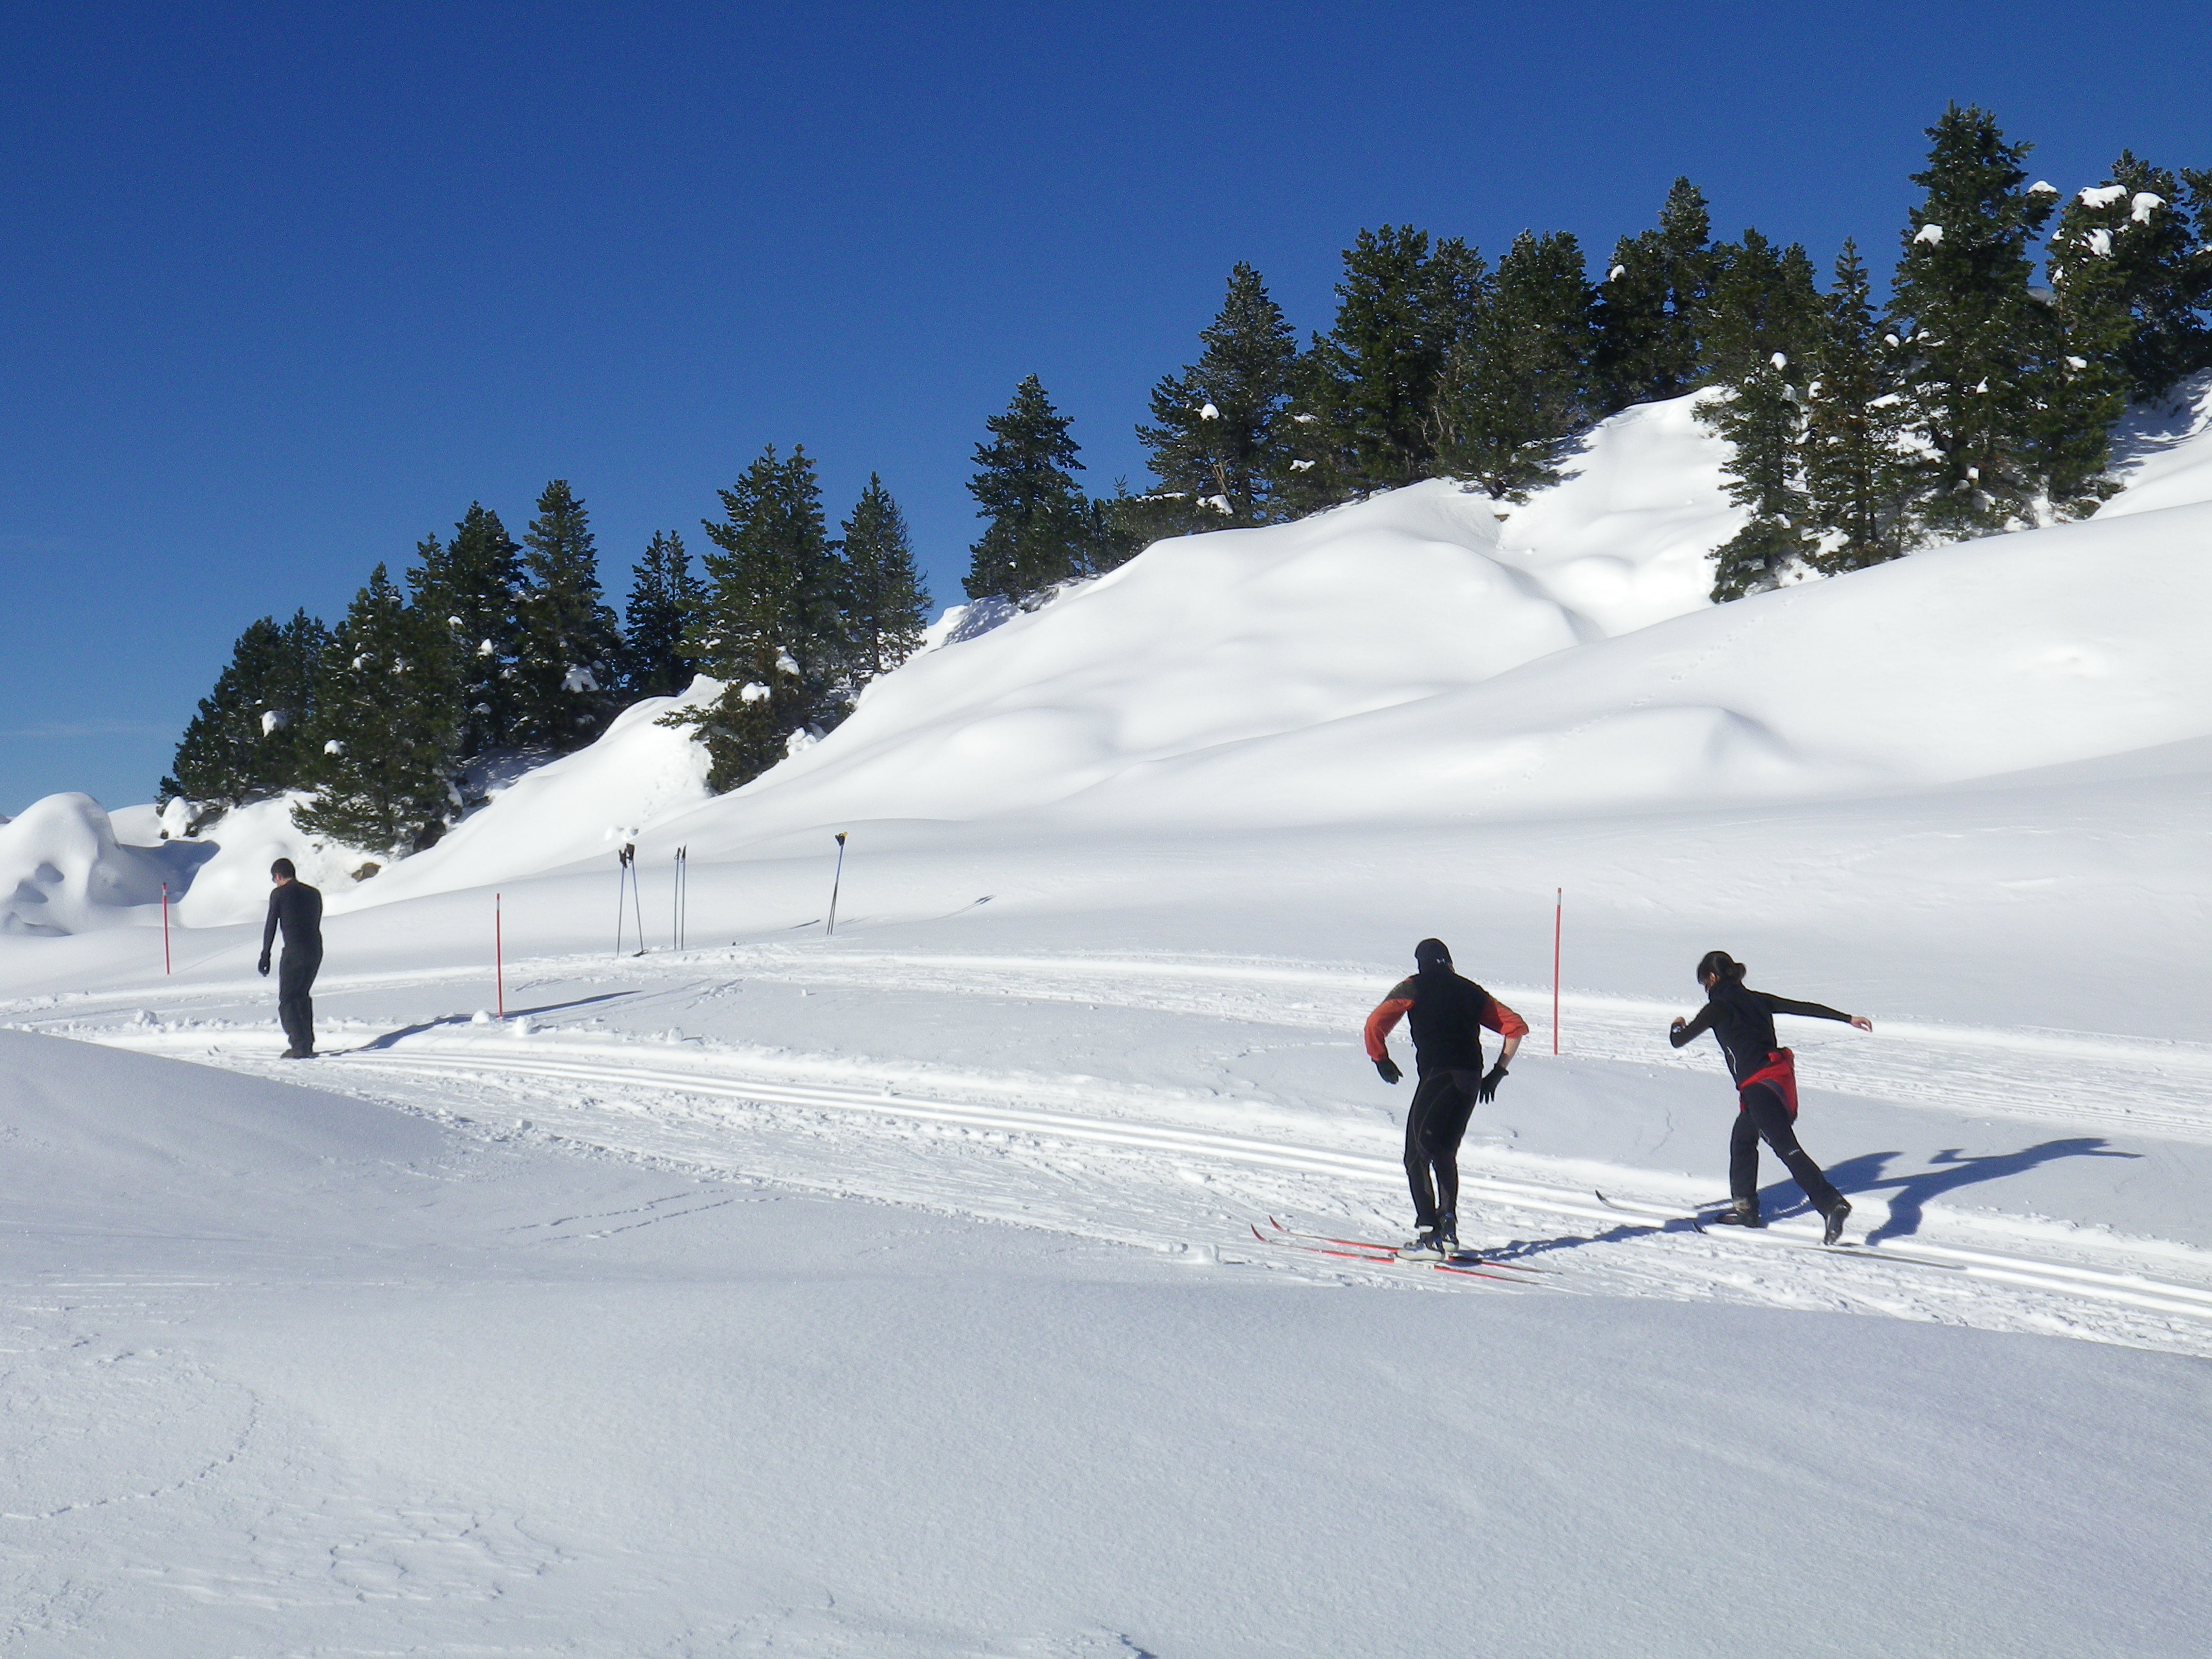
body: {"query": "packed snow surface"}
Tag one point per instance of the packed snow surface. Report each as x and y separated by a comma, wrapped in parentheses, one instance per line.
(964, 1283)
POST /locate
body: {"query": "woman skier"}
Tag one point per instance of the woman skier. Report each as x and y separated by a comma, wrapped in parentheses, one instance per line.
(1742, 1021)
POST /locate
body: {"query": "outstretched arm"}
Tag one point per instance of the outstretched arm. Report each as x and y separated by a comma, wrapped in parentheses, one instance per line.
(1380, 1024)
(1774, 1004)
(1684, 1031)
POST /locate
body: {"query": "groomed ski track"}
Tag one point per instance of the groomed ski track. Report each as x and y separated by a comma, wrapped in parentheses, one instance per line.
(1102, 1159)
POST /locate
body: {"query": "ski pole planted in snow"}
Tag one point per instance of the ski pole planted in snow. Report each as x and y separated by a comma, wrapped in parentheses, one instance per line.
(1558, 914)
(637, 901)
(622, 883)
(677, 897)
(165, 929)
(836, 881)
(498, 958)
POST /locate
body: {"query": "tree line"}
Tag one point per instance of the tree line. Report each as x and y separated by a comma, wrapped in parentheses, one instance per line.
(1971, 400)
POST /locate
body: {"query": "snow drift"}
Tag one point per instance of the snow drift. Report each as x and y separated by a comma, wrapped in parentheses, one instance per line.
(61, 870)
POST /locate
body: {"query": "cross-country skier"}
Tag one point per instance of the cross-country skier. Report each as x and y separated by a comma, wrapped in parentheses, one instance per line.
(298, 909)
(1742, 1021)
(1445, 1014)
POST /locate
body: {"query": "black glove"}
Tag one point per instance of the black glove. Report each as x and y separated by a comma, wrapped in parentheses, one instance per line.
(264, 966)
(1487, 1088)
(1388, 1068)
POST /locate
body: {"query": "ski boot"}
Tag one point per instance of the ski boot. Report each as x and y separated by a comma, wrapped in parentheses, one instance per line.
(1836, 1214)
(1447, 1236)
(1740, 1213)
(1422, 1247)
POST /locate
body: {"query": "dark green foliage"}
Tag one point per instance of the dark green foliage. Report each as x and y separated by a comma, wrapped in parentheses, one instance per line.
(768, 626)
(471, 590)
(1761, 300)
(663, 598)
(2133, 280)
(1516, 380)
(1363, 408)
(1040, 531)
(569, 657)
(1214, 438)
(1124, 525)
(248, 741)
(1858, 479)
(1986, 382)
(886, 608)
(1651, 305)
(385, 743)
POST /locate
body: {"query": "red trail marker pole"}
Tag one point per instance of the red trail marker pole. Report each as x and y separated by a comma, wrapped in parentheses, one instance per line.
(1559, 915)
(165, 929)
(498, 958)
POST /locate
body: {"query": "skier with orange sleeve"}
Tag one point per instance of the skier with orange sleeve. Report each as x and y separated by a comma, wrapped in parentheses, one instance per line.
(1446, 1015)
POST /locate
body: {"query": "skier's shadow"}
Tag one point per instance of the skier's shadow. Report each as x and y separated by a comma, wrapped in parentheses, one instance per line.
(390, 1039)
(1954, 1168)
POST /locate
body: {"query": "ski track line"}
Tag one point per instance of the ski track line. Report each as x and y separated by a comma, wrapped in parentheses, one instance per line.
(2130, 1291)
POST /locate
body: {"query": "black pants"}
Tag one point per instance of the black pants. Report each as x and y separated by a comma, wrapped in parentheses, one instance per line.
(1764, 1117)
(1443, 1102)
(295, 976)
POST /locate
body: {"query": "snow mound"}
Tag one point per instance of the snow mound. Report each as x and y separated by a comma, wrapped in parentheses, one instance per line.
(2163, 456)
(576, 807)
(61, 870)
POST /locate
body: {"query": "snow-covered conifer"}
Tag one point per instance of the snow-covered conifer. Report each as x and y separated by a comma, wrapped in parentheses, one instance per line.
(568, 661)
(1858, 476)
(664, 596)
(2133, 280)
(767, 624)
(247, 742)
(1986, 383)
(1215, 425)
(1651, 305)
(471, 589)
(1516, 380)
(385, 743)
(1041, 530)
(885, 605)
(1761, 300)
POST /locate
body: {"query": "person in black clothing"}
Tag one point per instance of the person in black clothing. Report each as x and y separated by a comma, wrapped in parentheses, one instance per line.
(298, 909)
(1447, 1015)
(1742, 1021)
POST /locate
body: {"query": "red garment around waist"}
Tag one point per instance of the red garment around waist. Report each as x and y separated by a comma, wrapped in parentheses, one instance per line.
(1779, 1074)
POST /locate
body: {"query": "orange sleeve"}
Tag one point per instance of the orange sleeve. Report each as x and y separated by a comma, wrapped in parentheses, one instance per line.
(1384, 1020)
(1504, 1021)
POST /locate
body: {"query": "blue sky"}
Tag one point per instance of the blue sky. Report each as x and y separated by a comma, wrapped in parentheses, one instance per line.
(283, 288)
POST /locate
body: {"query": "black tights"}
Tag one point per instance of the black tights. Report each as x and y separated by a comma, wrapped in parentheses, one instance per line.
(1764, 1117)
(1443, 1102)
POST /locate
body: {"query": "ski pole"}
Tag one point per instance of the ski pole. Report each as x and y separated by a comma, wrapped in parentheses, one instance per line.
(637, 901)
(165, 930)
(622, 875)
(1559, 915)
(498, 958)
(836, 881)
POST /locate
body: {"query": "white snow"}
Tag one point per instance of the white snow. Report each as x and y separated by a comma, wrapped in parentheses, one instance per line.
(2142, 205)
(2103, 195)
(2100, 242)
(900, 1293)
(1931, 235)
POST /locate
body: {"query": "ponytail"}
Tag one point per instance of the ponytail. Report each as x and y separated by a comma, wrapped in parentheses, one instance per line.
(1720, 965)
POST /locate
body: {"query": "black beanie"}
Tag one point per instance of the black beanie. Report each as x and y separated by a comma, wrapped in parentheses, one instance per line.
(1433, 955)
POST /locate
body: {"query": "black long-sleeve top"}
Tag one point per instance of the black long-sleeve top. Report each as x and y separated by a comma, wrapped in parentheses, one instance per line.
(1742, 1021)
(298, 909)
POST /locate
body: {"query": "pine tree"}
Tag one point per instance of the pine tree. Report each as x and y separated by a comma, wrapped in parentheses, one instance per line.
(1040, 531)
(2133, 282)
(1761, 300)
(768, 625)
(886, 608)
(1986, 383)
(663, 598)
(1516, 381)
(1761, 336)
(569, 657)
(1364, 410)
(1762, 416)
(472, 588)
(385, 743)
(1214, 438)
(1651, 305)
(1857, 478)
(247, 741)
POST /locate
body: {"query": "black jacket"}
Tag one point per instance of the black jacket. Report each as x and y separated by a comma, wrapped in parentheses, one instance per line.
(1742, 1021)
(1447, 1015)
(298, 909)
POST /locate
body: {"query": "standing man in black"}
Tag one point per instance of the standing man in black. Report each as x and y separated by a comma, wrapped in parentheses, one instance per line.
(1447, 1017)
(298, 909)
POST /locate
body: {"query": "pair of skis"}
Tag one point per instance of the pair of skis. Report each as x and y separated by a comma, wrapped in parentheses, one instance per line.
(1466, 1263)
